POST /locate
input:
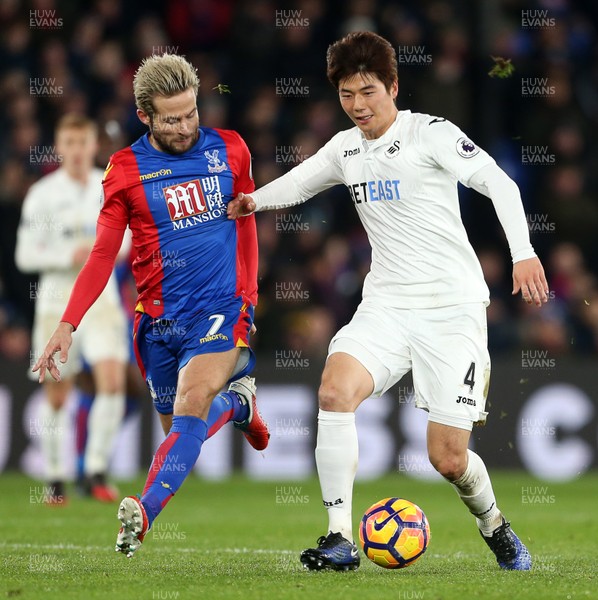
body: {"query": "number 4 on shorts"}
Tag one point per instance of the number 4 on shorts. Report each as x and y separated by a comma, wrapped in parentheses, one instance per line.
(470, 377)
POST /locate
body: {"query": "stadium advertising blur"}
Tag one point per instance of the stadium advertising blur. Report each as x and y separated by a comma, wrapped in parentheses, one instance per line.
(541, 419)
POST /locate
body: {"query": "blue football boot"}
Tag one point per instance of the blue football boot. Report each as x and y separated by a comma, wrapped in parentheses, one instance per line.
(511, 553)
(333, 552)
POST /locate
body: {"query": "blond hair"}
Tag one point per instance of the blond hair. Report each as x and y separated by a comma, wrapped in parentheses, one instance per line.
(162, 75)
(75, 121)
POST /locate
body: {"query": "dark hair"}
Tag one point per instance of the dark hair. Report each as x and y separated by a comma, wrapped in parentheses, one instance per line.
(361, 52)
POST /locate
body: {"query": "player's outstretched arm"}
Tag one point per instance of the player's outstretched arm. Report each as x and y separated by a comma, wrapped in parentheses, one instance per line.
(241, 206)
(60, 341)
(315, 174)
(528, 273)
(530, 280)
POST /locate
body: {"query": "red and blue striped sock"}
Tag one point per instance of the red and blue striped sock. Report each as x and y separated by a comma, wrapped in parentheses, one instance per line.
(226, 407)
(173, 461)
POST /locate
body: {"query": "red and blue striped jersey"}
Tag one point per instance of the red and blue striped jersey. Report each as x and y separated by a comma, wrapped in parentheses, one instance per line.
(188, 254)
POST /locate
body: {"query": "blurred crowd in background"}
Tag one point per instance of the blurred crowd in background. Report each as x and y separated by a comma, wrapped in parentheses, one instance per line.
(262, 69)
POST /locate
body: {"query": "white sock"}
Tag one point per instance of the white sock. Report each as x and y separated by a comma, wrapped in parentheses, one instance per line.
(475, 489)
(105, 417)
(52, 430)
(336, 459)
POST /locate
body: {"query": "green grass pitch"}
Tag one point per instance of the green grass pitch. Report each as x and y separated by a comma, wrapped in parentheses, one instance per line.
(241, 539)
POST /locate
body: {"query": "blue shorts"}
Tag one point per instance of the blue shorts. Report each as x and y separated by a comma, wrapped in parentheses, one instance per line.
(164, 346)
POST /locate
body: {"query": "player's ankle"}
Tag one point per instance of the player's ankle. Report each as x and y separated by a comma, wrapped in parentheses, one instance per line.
(488, 526)
(345, 530)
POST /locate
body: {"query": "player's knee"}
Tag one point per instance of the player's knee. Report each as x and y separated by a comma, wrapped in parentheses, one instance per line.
(195, 401)
(111, 387)
(334, 397)
(450, 466)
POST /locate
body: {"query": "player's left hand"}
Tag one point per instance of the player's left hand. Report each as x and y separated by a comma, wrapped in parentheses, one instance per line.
(60, 341)
(529, 278)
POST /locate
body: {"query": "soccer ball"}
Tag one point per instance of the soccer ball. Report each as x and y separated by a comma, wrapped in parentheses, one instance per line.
(394, 533)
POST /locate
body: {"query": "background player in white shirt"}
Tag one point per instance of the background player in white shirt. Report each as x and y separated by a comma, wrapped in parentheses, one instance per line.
(424, 298)
(55, 238)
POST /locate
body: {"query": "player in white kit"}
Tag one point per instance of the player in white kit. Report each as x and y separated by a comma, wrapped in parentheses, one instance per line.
(424, 299)
(55, 237)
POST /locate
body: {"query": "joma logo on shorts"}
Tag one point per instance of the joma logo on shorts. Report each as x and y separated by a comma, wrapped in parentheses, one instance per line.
(464, 400)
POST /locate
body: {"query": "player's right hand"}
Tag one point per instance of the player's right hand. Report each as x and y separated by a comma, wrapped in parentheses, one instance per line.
(60, 341)
(241, 206)
(530, 280)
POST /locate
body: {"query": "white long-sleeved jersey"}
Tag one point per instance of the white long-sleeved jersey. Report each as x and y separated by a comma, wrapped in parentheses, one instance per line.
(404, 188)
(59, 215)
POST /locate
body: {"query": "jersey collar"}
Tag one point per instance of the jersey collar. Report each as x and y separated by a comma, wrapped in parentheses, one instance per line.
(148, 146)
(387, 136)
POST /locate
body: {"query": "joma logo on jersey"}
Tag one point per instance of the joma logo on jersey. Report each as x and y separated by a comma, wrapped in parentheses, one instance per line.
(185, 200)
(351, 152)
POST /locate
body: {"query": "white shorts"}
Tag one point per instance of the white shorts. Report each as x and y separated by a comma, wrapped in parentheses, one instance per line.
(102, 335)
(446, 348)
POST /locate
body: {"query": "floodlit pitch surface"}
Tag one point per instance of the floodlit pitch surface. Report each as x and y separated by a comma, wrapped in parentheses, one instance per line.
(241, 539)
